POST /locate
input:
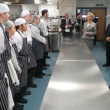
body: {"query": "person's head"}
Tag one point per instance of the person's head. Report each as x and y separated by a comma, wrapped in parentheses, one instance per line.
(4, 13)
(21, 24)
(79, 15)
(36, 19)
(26, 15)
(66, 15)
(10, 28)
(45, 13)
(90, 16)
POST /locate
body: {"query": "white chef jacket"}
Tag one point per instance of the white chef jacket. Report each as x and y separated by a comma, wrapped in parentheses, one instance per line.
(13, 57)
(19, 40)
(2, 43)
(28, 34)
(43, 25)
(36, 33)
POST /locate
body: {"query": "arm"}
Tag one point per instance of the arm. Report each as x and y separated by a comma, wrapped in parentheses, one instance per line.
(2, 44)
(36, 35)
(14, 60)
(94, 31)
(107, 31)
(42, 25)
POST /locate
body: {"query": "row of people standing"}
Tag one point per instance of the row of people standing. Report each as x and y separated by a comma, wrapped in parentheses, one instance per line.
(23, 55)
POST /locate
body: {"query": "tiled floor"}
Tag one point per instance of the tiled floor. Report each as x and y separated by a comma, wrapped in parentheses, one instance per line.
(35, 99)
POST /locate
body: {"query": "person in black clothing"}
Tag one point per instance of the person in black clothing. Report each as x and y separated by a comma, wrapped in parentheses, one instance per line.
(95, 21)
(107, 38)
(80, 22)
(67, 25)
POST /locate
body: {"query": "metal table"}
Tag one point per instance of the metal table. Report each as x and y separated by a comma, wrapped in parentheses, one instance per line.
(76, 82)
(76, 85)
(75, 51)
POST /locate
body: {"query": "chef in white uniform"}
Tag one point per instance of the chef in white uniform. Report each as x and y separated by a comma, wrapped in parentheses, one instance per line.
(44, 27)
(4, 16)
(32, 65)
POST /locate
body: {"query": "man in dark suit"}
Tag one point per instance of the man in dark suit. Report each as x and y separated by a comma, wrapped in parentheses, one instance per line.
(107, 38)
(67, 26)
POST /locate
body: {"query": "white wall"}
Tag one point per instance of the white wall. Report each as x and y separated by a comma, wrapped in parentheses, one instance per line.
(30, 7)
(67, 6)
(15, 9)
(53, 11)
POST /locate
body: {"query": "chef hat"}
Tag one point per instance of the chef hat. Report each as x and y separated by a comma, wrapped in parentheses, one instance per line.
(25, 13)
(3, 8)
(9, 24)
(19, 21)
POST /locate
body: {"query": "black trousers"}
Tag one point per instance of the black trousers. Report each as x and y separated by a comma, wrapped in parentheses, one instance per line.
(30, 75)
(39, 67)
(44, 58)
(19, 95)
(95, 39)
(108, 53)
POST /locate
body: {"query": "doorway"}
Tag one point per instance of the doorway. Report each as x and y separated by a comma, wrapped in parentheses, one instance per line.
(100, 13)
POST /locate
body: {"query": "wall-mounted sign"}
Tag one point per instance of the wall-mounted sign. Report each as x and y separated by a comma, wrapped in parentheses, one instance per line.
(99, 5)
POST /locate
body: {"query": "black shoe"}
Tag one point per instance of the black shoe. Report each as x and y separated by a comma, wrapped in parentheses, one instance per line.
(17, 108)
(43, 74)
(22, 100)
(19, 105)
(39, 76)
(44, 68)
(106, 65)
(33, 85)
(46, 65)
(48, 57)
(27, 93)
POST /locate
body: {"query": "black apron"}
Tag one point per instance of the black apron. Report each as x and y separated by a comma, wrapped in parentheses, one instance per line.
(31, 59)
(23, 60)
(38, 48)
(6, 56)
(3, 81)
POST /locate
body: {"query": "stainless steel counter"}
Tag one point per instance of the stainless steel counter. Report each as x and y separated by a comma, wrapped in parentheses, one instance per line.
(76, 82)
(77, 85)
(75, 51)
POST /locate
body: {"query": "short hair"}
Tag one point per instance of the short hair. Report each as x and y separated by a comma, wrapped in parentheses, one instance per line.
(91, 14)
(44, 11)
(9, 24)
(35, 17)
(78, 14)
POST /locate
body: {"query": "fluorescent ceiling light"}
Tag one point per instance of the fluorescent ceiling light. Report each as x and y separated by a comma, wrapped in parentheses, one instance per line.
(37, 1)
(7, 2)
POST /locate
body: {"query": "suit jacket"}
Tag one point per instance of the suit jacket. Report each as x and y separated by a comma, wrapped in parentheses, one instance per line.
(63, 25)
(107, 31)
(107, 34)
(91, 29)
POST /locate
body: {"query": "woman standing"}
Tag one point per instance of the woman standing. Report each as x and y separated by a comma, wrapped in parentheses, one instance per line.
(89, 30)
(21, 41)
